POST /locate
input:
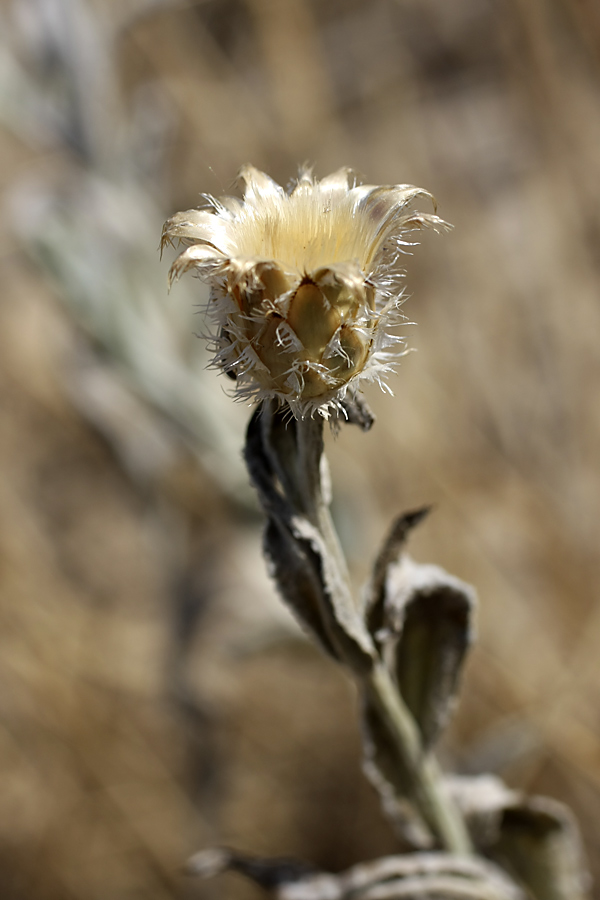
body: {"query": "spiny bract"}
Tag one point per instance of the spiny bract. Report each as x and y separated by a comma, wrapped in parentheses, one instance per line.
(305, 283)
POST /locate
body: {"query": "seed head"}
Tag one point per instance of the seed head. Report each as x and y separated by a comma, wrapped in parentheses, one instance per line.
(306, 284)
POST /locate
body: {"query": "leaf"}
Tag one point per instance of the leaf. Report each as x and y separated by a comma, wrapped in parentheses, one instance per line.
(419, 618)
(425, 634)
(285, 462)
(535, 838)
(539, 841)
(356, 411)
(297, 573)
(389, 553)
(294, 450)
(482, 800)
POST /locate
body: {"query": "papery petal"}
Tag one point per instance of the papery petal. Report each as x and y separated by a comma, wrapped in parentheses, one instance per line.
(344, 286)
(258, 186)
(198, 256)
(197, 225)
(305, 282)
(230, 208)
(416, 221)
(383, 206)
(343, 179)
(305, 181)
(382, 201)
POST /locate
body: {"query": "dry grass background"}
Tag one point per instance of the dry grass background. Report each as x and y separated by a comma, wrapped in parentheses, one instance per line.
(155, 698)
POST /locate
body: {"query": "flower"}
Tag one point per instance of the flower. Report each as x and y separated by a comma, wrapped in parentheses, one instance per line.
(305, 283)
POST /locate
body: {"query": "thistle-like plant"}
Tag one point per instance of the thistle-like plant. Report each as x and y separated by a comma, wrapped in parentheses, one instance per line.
(305, 287)
(306, 284)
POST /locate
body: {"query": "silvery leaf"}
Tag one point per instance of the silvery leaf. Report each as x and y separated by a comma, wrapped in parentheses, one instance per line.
(482, 800)
(296, 570)
(535, 838)
(356, 411)
(390, 552)
(425, 632)
(285, 461)
(539, 841)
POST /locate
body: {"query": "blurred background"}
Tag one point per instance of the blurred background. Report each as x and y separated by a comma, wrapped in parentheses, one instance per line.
(156, 697)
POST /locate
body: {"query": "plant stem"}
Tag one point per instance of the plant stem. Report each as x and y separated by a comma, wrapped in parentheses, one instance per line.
(435, 805)
(437, 808)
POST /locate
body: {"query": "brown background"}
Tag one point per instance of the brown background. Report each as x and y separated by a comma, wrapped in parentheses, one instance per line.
(155, 698)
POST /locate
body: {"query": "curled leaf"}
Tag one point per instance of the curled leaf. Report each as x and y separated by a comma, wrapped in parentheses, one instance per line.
(285, 460)
(356, 411)
(534, 838)
(296, 570)
(426, 629)
(420, 620)
(389, 553)
(539, 841)
(482, 800)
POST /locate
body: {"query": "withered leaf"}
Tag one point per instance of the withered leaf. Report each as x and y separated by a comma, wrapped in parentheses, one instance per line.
(284, 459)
(427, 629)
(539, 841)
(389, 553)
(297, 573)
(535, 838)
(482, 800)
(357, 412)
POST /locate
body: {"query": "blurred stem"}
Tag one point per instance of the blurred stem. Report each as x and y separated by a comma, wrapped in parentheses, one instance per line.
(429, 794)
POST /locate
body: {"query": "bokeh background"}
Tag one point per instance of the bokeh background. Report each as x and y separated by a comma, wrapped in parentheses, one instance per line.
(155, 696)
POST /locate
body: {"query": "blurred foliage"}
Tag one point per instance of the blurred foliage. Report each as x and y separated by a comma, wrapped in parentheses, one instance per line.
(156, 697)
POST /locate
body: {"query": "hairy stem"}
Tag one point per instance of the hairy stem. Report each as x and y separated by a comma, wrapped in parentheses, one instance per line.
(437, 808)
(428, 791)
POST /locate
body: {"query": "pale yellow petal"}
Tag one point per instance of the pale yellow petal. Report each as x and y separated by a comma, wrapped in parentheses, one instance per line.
(306, 283)
(259, 187)
(416, 221)
(197, 225)
(383, 203)
(197, 256)
(343, 179)
(383, 206)
(305, 181)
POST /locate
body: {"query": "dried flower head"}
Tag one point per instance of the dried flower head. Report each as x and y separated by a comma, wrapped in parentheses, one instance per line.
(305, 283)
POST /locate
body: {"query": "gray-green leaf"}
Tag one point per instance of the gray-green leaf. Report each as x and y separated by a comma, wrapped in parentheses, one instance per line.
(539, 841)
(285, 461)
(425, 633)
